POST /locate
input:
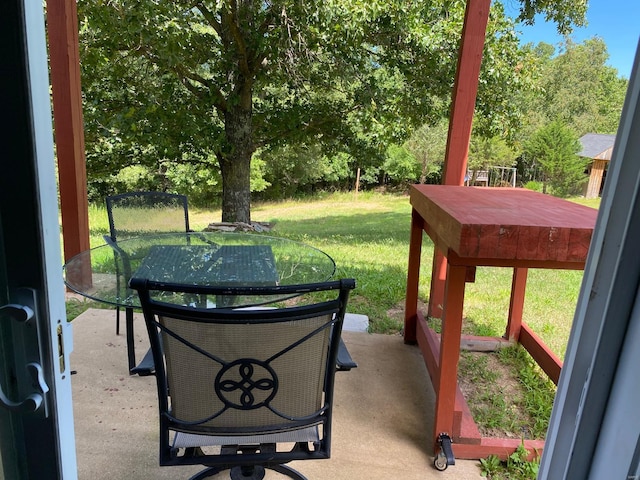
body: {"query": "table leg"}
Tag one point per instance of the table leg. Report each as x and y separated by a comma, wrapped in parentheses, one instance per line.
(131, 352)
(447, 380)
(146, 366)
(413, 277)
(438, 278)
(516, 304)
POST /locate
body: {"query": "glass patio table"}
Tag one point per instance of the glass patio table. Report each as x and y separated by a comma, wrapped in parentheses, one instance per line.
(199, 258)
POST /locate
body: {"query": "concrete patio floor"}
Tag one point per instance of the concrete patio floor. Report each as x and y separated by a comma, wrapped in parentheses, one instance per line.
(382, 422)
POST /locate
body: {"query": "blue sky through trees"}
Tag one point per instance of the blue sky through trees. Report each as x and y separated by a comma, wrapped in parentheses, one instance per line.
(615, 21)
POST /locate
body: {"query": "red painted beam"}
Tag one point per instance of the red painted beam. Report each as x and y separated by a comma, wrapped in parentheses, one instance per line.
(465, 429)
(429, 344)
(502, 447)
(413, 277)
(516, 303)
(541, 353)
(447, 382)
(438, 281)
(62, 28)
(465, 90)
(463, 102)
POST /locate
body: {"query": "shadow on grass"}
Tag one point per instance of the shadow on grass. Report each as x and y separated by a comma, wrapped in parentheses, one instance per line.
(77, 306)
(359, 227)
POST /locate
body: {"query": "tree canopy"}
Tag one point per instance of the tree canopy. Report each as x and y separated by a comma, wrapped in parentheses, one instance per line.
(555, 148)
(209, 83)
(565, 15)
(578, 87)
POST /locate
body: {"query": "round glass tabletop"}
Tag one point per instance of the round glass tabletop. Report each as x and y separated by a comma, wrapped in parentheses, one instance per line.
(197, 258)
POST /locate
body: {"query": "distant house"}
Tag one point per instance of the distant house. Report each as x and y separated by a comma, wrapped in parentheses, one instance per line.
(598, 148)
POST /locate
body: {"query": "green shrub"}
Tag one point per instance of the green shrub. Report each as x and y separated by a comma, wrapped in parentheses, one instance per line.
(533, 185)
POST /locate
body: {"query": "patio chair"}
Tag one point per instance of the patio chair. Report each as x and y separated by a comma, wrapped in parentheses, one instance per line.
(137, 213)
(244, 389)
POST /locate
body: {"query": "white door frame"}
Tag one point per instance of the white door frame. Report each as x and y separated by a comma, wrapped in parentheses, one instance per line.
(31, 233)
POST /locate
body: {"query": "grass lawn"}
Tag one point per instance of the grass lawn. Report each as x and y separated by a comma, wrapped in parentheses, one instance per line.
(368, 237)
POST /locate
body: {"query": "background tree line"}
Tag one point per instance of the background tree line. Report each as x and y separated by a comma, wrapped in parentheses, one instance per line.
(219, 98)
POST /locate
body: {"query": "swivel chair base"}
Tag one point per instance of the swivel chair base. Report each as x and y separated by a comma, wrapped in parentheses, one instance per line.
(250, 472)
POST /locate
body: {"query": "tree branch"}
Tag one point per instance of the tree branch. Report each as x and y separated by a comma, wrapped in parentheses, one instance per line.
(312, 125)
(210, 18)
(186, 77)
(238, 39)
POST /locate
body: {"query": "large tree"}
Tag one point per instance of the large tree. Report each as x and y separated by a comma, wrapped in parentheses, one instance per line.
(575, 85)
(428, 145)
(582, 90)
(187, 81)
(555, 148)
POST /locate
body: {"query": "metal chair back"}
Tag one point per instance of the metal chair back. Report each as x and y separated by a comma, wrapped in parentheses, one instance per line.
(244, 381)
(134, 213)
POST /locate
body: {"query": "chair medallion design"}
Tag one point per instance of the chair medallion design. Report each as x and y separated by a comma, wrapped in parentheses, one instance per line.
(247, 371)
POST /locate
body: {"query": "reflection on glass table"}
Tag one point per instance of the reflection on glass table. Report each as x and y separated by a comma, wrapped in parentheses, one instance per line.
(201, 258)
(198, 258)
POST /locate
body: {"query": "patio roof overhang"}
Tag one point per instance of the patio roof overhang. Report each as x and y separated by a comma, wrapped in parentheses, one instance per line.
(62, 27)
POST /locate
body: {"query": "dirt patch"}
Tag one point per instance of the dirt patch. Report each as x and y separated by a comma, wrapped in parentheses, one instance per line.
(492, 389)
(494, 394)
(397, 312)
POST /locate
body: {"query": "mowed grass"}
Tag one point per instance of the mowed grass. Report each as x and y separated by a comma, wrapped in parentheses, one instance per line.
(368, 237)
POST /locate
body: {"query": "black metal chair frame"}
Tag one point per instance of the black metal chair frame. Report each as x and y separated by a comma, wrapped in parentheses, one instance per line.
(244, 461)
(115, 234)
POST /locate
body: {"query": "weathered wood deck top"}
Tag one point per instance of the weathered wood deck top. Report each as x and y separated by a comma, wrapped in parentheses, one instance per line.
(505, 223)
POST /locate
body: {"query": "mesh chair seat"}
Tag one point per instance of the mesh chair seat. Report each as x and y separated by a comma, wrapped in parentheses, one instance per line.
(189, 440)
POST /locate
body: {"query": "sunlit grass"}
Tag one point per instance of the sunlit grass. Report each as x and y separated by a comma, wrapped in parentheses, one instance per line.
(550, 302)
(368, 237)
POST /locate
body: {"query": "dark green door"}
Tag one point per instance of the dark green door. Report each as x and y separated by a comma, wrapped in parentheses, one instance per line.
(36, 420)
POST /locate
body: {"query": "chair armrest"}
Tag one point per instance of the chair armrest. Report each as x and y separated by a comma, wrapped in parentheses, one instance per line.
(124, 256)
(344, 363)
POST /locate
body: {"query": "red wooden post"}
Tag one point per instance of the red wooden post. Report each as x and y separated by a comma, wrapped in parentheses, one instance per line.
(413, 276)
(447, 381)
(438, 278)
(62, 27)
(463, 103)
(516, 304)
(541, 353)
(465, 90)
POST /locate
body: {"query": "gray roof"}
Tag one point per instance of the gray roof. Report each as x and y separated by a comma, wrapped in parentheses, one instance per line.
(594, 144)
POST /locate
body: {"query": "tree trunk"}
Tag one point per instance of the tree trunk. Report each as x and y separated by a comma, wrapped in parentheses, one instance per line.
(235, 166)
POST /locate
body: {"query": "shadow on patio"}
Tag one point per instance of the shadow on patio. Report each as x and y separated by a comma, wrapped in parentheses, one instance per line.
(382, 421)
